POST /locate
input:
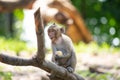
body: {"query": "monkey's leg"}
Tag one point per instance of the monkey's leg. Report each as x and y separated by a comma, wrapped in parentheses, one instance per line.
(52, 75)
(70, 66)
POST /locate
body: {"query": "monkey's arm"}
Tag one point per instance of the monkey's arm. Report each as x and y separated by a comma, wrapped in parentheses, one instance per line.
(68, 46)
(53, 55)
(66, 55)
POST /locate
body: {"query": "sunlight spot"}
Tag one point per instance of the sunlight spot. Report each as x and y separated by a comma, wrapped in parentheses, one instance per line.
(116, 41)
(102, 0)
(29, 33)
(96, 30)
(103, 20)
(112, 31)
(104, 37)
(95, 37)
(93, 21)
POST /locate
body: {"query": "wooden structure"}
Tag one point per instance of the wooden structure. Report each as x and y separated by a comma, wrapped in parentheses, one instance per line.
(66, 15)
(71, 18)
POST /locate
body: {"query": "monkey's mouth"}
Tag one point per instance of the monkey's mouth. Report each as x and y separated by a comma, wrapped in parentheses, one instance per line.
(51, 37)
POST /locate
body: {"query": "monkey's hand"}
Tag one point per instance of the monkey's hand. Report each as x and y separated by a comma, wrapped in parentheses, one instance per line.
(70, 69)
(57, 57)
(59, 53)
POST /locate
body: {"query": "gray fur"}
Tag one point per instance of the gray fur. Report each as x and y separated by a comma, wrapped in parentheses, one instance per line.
(68, 60)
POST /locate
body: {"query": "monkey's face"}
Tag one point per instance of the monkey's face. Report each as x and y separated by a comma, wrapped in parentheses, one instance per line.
(54, 33)
(51, 33)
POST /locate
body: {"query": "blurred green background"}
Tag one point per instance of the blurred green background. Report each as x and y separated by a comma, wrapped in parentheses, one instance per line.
(101, 18)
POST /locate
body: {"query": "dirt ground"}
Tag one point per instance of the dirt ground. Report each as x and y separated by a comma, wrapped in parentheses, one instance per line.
(105, 61)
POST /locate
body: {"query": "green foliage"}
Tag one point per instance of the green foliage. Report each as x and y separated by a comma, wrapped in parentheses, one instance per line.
(5, 76)
(18, 20)
(102, 19)
(15, 45)
(11, 23)
(95, 76)
(12, 45)
(4, 24)
(93, 47)
(18, 14)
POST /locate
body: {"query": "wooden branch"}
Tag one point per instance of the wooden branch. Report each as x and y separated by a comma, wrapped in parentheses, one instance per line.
(11, 5)
(47, 66)
(15, 60)
(40, 36)
(60, 71)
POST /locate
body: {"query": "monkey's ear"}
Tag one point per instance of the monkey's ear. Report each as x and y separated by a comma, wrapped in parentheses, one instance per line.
(62, 30)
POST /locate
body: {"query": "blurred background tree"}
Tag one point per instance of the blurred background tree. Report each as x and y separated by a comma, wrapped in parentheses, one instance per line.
(102, 19)
(11, 24)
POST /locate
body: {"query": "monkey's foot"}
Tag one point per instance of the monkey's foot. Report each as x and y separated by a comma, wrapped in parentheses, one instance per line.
(70, 69)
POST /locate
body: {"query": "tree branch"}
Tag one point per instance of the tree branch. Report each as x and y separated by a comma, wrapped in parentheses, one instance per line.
(40, 35)
(15, 60)
(11, 5)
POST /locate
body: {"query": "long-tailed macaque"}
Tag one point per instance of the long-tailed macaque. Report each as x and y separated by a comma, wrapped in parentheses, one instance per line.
(62, 47)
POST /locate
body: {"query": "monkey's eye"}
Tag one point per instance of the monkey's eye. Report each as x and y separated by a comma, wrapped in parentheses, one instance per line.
(51, 30)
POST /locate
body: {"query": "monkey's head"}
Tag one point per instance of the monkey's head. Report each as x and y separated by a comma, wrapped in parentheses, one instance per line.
(54, 32)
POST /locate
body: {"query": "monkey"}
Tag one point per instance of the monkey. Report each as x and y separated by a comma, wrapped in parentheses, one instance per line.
(62, 48)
